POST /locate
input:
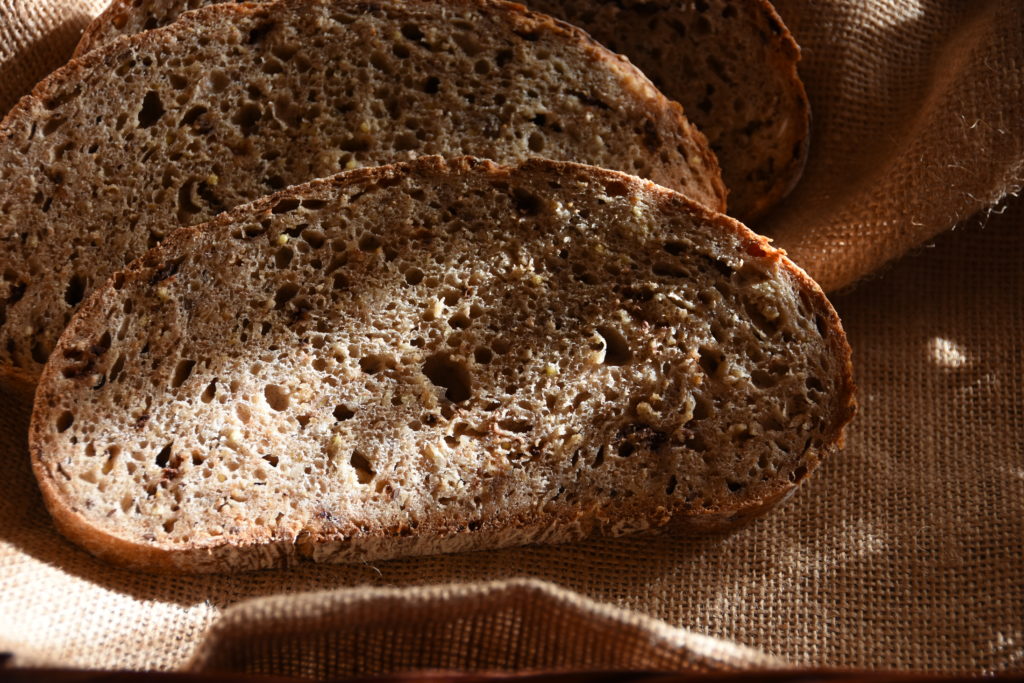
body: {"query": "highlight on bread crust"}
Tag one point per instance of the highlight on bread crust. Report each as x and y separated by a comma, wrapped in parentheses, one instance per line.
(234, 101)
(433, 357)
(730, 63)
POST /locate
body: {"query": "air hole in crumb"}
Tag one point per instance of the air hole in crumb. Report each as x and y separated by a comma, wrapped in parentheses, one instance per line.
(64, 421)
(758, 317)
(373, 364)
(152, 110)
(414, 276)
(260, 32)
(277, 397)
(283, 257)
(669, 270)
(406, 141)
(182, 372)
(369, 243)
(734, 486)
(313, 237)
(342, 413)
(459, 321)
(696, 443)
(271, 459)
(364, 471)
(450, 374)
(671, 487)
(599, 458)
(284, 294)
(710, 360)
(412, 32)
(169, 525)
(483, 355)
(209, 392)
(536, 142)
(515, 426)
(798, 474)
(164, 456)
(192, 116)
(246, 118)
(703, 408)
(616, 188)
(617, 351)
(285, 206)
(41, 353)
(675, 248)
(526, 202)
(814, 384)
(763, 379)
(75, 290)
(819, 323)
(115, 370)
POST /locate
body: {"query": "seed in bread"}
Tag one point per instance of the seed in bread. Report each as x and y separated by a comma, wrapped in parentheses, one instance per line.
(730, 63)
(235, 101)
(434, 357)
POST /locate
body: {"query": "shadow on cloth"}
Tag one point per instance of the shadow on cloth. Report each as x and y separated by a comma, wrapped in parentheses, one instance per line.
(54, 36)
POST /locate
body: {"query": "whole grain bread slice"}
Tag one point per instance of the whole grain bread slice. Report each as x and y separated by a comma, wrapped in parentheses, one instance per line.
(433, 357)
(234, 101)
(732, 64)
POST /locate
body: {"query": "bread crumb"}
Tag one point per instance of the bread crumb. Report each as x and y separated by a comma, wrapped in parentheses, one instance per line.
(234, 438)
(646, 412)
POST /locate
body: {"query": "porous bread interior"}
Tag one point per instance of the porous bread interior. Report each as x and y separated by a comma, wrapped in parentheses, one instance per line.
(431, 350)
(174, 126)
(732, 66)
(730, 63)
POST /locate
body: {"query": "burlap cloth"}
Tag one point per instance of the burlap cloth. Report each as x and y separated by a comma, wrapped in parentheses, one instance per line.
(907, 551)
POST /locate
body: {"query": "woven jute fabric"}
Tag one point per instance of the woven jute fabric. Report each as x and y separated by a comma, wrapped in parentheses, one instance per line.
(36, 37)
(904, 552)
(918, 110)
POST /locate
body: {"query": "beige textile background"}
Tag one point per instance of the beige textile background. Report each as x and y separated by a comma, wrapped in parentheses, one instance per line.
(906, 551)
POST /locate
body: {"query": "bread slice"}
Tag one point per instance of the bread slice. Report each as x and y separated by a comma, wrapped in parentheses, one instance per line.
(732, 64)
(234, 101)
(435, 357)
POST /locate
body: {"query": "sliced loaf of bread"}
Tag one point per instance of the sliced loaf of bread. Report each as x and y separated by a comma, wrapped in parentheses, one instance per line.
(433, 357)
(234, 101)
(731, 63)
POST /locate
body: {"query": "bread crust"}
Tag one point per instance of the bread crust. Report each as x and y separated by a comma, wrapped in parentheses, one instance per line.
(327, 543)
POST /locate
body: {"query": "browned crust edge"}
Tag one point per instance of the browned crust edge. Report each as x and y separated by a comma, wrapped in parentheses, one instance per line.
(376, 545)
(786, 53)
